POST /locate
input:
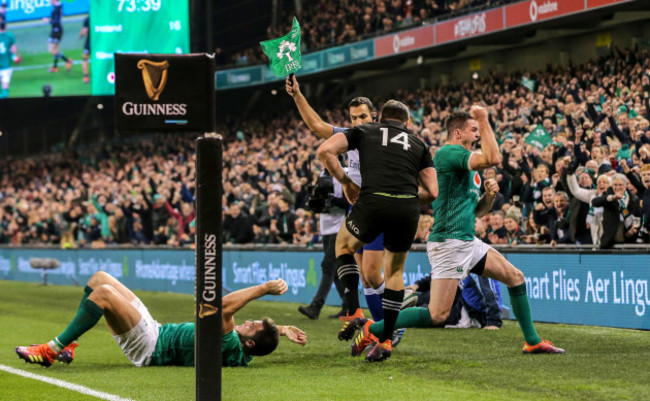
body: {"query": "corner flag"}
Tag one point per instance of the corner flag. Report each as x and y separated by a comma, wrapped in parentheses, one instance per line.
(284, 52)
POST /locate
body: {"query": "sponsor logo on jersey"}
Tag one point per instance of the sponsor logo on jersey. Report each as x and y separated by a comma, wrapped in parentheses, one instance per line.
(353, 227)
(459, 269)
(477, 180)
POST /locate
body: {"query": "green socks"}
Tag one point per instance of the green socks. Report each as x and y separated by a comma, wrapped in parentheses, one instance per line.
(87, 316)
(521, 309)
(409, 317)
(87, 292)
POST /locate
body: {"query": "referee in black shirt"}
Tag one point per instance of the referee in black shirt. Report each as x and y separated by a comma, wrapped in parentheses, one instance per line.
(392, 159)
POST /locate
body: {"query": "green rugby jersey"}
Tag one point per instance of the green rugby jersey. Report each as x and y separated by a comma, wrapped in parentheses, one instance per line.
(6, 41)
(175, 346)
(459, 188)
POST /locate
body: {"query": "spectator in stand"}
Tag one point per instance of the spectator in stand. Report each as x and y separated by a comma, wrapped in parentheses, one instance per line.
(283, 224)
(620, 214)
(543, 214)
(643, 191)
(558, 220)
(511, 223)
(496, 233)
(237, 226)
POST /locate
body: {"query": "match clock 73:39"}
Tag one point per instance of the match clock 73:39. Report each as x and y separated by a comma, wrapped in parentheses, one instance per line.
(131, 6)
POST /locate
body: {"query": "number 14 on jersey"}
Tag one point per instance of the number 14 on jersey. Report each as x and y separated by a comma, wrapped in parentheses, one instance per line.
(401, 139)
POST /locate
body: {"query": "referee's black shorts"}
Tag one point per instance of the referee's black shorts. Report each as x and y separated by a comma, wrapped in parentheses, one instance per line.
(56, 34)
(396, 217)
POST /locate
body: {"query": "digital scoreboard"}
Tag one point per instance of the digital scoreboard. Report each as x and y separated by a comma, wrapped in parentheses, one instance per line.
(133, 26)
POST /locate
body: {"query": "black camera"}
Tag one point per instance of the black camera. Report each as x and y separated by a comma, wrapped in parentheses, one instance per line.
(320, 194)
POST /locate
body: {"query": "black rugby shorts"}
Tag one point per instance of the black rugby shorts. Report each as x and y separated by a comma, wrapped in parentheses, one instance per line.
(374, 214)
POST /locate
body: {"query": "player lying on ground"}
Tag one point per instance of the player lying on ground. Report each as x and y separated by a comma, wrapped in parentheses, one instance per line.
(146, 343)
(452, 247)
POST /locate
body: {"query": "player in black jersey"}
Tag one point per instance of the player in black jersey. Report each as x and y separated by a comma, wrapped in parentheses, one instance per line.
(56, 35)
(392, 159)
(85, 33)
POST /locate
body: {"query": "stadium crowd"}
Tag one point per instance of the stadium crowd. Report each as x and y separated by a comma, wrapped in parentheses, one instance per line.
(332, 23)
(575, 169)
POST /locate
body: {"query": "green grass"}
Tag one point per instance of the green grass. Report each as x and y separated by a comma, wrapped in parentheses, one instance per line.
(600, 364)
(32, 73)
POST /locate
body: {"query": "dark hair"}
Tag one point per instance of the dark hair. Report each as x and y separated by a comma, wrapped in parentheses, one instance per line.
(395, 110)
(358, 101)
(3, 26)
(457, 120)
(266, 340)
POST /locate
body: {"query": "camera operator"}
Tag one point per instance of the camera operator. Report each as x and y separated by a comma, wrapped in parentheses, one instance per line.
(327, 199)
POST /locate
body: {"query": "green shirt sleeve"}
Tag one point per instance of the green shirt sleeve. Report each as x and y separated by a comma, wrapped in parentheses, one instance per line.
(452, 157)
(232, 353)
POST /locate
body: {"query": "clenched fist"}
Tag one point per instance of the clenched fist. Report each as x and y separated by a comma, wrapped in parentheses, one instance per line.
(276, 287)
(478, 112)
(491, 187)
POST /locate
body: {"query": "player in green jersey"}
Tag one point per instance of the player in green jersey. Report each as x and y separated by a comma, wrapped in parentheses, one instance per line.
(8, 54)
(452, 248)
(146, 343)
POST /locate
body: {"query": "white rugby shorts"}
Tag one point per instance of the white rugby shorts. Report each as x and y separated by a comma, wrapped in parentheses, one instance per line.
(454, 258)
(5, 76)
(139, 343)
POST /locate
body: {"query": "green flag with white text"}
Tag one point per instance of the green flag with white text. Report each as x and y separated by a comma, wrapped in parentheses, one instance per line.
(539, 138)
(284, 52)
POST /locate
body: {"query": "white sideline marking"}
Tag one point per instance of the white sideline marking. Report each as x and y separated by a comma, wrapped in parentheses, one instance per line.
(64, 384)
(43, 66)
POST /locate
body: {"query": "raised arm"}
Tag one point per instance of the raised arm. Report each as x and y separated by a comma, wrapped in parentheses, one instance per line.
(584, 195)
(309, 116)
(490, 155)
(234, 301)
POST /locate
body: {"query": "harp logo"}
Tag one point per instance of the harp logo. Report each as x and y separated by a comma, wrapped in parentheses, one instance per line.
(206, 310)
(154, 76)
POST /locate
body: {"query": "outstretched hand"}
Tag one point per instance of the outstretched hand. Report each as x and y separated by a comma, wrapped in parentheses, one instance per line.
(276, 287)
(295, 335)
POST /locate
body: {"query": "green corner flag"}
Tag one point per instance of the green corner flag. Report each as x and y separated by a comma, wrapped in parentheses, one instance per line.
(284, 52)
(539, 138)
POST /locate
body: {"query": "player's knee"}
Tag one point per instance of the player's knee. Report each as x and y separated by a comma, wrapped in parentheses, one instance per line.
(374, 281)
(98, 279)
(102, 295)
(514, 277)
(438, 317)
